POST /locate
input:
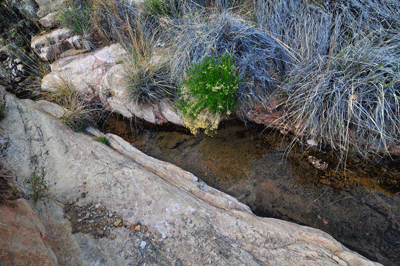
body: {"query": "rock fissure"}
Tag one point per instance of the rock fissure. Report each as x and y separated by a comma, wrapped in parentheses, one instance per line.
(156, 195)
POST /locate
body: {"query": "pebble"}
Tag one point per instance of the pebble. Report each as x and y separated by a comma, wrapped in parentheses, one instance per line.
(137, 227)
(112, 237)
(79, 220)
(143, 244)
(117, 222)
(110, 215)
(70, 202)
(17, 61)
(100, 232)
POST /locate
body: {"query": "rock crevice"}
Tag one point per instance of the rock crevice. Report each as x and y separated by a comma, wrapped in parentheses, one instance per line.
(187, 224)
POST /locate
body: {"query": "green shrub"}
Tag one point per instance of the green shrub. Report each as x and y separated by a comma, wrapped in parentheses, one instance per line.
(209, 90)
(102, 140)
(39, 187)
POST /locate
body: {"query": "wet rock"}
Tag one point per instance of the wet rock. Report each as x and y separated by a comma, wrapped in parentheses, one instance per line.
(317, 163)
(193, 223)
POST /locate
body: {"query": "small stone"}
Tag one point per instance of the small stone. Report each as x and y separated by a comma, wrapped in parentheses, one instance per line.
(91, 221)
(83, 195)
(110, 215)
(97, 205)
(319, 164)
(137, 227)
(168, 250)
(312, 142)
(143, 244)
(71, 202)
(17, 61)
(112, 236)
(100, 232)
(149, 202)
(20, 67)
(79, 220)
(117, 222)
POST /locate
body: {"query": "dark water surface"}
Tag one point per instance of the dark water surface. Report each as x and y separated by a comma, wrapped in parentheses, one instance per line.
(360, 208)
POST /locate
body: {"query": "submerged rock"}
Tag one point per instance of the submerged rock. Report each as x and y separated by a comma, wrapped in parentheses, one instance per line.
(186, 222)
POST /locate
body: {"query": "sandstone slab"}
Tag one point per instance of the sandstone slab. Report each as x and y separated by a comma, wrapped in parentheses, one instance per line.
(188, 223)
(100, 74)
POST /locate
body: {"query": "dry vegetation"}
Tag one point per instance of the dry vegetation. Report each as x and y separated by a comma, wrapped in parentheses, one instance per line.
(334, 63)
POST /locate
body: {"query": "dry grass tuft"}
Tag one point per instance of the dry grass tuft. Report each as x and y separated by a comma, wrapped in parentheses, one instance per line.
(78, 112)
(341, 72)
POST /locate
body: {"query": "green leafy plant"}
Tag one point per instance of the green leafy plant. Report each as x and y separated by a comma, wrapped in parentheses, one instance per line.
(39, 187)
(209, 90)
(103, 140)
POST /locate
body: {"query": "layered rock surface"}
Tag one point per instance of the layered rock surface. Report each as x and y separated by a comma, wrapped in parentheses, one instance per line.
(187, 222)
(100, 74)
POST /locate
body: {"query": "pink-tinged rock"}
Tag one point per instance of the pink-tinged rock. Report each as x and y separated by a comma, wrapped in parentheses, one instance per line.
(84, 71)
(49, 21)
(169, 113)
(23, 236)
(75, 41)
(52, 45)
